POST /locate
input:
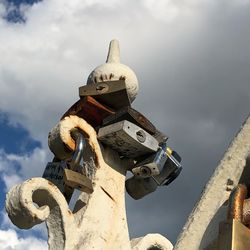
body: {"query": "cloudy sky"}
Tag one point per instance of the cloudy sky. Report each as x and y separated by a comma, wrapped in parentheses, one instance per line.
(192, 59)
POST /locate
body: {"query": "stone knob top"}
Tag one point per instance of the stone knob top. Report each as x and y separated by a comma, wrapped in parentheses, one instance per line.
(114, 70)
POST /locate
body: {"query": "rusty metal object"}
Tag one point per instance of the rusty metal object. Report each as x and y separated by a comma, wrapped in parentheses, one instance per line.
(236, 201)
(90, 110)
(233, 233)
(132, 115)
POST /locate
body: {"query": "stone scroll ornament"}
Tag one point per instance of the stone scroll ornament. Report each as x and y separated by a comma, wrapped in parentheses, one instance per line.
(117, 139)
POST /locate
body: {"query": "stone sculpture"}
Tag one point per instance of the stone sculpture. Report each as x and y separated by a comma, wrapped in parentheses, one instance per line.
(114, 70)
(98, 220)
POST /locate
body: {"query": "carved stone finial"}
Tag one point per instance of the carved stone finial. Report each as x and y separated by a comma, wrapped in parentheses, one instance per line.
(114, 52)
(114, 70)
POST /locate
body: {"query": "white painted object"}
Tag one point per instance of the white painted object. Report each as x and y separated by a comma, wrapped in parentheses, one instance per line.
(114, 70)
(99, 220)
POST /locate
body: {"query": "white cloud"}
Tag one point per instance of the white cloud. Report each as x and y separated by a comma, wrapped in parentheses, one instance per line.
(9, 240)
(39, 229)
(168, 10)
(31, 164)
(11, 180)
(44, 61)
(2, 10)
(191, 58)
(16, 168)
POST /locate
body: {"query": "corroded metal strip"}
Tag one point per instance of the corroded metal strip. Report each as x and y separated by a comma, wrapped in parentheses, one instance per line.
(236, 201)
(133, 116)
(89, 109)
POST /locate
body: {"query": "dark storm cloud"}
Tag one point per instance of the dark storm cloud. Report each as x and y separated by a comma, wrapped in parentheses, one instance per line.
(199, 94)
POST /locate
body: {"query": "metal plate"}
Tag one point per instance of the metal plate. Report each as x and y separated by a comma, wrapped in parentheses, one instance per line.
(111, 93)
(78, 181)
(233, 235)
(154, 164)
(128, 139)
(90, 110)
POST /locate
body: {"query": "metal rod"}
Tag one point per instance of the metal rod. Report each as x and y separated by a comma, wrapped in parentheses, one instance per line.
(80, 145)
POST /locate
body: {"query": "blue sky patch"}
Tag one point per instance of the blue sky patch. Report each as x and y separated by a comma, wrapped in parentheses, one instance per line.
(15, 139)
(19, 2)
(13, 11)
(15, 16)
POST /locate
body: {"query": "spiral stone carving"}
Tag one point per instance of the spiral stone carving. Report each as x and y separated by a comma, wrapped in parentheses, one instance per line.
(37, 200)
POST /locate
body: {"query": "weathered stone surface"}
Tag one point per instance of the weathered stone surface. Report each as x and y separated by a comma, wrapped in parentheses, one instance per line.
(151, 241)
(37, 200)
(201, 228)
(62, 144)
(99, 219)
